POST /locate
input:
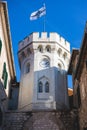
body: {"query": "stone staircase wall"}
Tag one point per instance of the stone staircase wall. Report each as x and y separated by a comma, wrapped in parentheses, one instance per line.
(52, 120)
(15, 120)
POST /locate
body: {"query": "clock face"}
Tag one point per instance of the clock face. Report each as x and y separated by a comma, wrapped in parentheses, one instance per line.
(45, 63)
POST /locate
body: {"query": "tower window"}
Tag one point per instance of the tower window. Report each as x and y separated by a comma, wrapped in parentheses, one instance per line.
(40, 87)
(47, 87)
(48, 48)
(28, 51)
(0, 45)
(59, 66)
(28, 68)
(23, 55)
(64, 55)
(59, 51)
(40, 48)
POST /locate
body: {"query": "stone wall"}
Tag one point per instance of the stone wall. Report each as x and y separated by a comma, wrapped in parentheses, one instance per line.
(15, 120)
(41, 120)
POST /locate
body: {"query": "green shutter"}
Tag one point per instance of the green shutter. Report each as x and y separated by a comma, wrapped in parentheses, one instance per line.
(0, 45)
(5, 80)
(5, 75)
(4, 70)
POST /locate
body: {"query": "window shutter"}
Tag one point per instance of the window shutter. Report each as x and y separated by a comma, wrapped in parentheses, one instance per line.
(0, 45)
(4, 70)
(5, 80)
(5, 75)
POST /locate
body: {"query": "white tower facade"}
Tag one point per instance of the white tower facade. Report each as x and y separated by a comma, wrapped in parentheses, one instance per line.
(43, 61)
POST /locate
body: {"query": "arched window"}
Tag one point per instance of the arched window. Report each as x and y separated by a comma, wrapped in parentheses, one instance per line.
(48, 48)
(59, 66)
(27, 68)
(47, 87)
(40, 48)
(40, 87)
(59, 51)
(28, 51)
(0, 45)
(64, 55)
(23, 55)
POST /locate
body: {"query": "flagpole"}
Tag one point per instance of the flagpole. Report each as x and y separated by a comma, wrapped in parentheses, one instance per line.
(44, 22)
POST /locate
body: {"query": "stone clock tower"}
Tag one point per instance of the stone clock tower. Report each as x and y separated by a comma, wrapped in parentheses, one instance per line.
(43, 61)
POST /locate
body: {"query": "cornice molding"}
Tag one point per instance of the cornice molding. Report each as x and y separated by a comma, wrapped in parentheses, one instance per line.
(7, 37)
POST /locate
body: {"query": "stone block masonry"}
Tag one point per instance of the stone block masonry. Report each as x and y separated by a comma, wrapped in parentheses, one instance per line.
(15, 120)
(41, 120)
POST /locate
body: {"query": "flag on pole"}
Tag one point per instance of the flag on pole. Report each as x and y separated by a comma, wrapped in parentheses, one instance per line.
(37, 14)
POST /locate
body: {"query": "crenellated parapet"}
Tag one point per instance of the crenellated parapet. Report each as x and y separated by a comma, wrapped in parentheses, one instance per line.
(37, 37)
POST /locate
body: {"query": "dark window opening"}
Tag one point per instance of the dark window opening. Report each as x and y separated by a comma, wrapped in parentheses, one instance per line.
(28, 51)
(48, 49)
(47, 87)
(40, 87)
(28, 68)
(10, 95)
(40, 49)
(0, 46)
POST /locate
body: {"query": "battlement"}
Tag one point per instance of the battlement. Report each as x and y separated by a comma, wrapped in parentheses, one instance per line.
(44, 36)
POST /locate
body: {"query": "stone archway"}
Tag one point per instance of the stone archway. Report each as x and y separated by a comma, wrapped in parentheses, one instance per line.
(43, 121)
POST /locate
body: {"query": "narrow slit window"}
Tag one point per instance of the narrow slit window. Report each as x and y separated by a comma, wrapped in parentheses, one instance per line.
(40, 87)
(40, 48)
(28, 68)
(47, 87)
(48, 48)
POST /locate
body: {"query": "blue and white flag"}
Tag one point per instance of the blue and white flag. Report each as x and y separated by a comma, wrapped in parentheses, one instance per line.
(37, 14)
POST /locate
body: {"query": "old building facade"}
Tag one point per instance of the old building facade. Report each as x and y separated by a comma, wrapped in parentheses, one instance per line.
(7, 69)
(78, 69)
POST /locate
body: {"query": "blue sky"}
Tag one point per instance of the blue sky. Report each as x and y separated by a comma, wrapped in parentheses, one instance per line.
(66, 17)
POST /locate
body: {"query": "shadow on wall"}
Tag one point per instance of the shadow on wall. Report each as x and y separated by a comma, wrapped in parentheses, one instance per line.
(3, 103)
(3, 97)
(1, 117)
(13, 95)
